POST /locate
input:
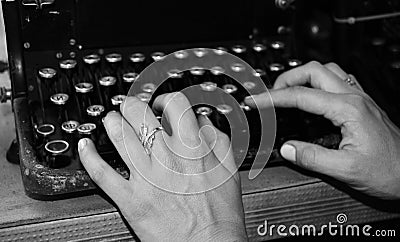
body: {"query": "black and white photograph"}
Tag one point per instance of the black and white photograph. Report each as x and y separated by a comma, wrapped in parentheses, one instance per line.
(211, 120)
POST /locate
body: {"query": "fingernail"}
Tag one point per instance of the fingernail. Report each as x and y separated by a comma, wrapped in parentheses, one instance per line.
(81, 144)
(102, 119)
(288, 152)
(248, 98)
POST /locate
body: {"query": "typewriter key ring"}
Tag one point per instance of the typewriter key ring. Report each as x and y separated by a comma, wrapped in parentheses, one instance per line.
(147, 138)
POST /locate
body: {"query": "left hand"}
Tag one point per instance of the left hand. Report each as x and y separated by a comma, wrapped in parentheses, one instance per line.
(209, 210)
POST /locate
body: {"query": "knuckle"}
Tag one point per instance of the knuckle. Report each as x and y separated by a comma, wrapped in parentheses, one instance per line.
(130, 105)
(314, 64)
(97, 174)
(356, 104)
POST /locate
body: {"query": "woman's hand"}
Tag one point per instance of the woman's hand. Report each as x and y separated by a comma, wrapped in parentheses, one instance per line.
(173, 194)
(368, 158)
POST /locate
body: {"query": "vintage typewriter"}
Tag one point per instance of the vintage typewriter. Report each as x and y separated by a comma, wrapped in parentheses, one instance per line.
(73, 61)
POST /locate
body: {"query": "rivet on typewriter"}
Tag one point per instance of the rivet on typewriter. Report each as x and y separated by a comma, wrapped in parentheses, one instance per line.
(229, 88)
(217, 70)
(137, 57)
(208, 86)
(239, 49)
(68, 64)
(206, 111)
(175, 73)
(238, 67)
(277, 45)
(113, 58)
(259, 47)
(55, 149)
(197, 71)
(181, 54)
(91, 59)
(144, 97)
(149, 87)
(294, 62)
(200, 52)
(220, 50)
(157, 56)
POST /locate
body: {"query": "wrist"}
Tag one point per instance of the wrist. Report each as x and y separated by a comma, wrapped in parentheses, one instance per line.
(221, 231)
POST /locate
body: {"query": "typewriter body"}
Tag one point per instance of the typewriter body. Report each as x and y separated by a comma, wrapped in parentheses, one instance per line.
(72, 61)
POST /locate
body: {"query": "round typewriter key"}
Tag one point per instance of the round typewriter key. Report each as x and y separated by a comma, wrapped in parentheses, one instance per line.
(95, 114)
(149, 87)
(91, 59)
(206, 111)
(157, 56)
(56, 151)
(70, 126)
(263, 75)
(221, 118)
(87, 130)
(84, 94)
(116, 101)
(175, 81)
(113, 58)
(137, 62)
(217, 70)
(254, 123)
(43, 132)
(70, 134)
(239, 49)
(181, 54)
(275, 69)
(208, 86)
(277, 45)
(68, 64)
(144, 97)
(196, 76)
(128, 79)
(60, 99)
(48, 84)
(292, 63)
(107, 84)
(200, 52)
(259, 48)
(220, 50)
(230, 88)
(238, 67)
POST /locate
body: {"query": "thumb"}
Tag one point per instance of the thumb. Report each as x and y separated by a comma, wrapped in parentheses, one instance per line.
(314, 157)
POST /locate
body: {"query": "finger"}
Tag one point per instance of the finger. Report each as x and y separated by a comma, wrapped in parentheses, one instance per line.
(310, 100)
(316, 158)
(315, 74)
(139, 115)
(177, 109)
(124, 139)
(333, 67)
(219, 142)
(113, 184)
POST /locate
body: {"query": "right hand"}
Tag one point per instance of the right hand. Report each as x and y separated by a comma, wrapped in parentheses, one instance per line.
(368, 158)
